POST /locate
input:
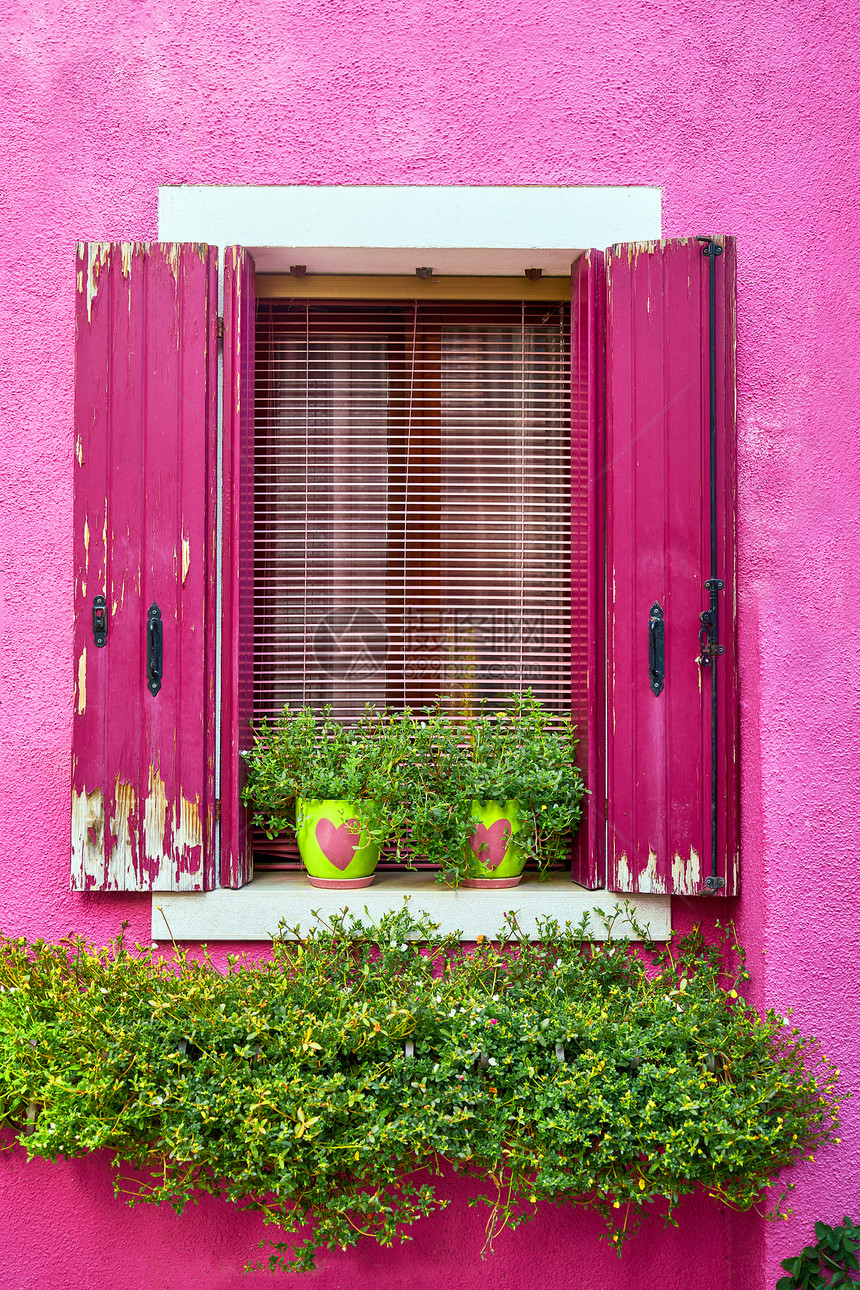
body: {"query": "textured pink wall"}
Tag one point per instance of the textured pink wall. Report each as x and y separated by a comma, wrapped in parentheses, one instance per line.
(747, 119)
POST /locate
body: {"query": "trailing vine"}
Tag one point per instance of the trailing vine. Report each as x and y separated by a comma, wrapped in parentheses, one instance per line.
(571, 1070)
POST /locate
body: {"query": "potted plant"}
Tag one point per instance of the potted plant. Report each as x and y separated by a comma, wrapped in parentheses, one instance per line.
(499, 858)
(309, 775)
(478, 796)
(491, 792)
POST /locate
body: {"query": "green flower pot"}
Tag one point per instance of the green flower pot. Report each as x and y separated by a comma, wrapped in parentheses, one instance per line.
(333, 851)
(497, 861)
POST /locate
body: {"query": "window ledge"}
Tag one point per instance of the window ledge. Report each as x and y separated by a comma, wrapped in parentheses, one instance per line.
(254, 912)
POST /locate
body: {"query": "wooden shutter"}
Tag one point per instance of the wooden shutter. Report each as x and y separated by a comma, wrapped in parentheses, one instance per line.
(659, 765)
(143, 753)
(587, 495)
(237, 618)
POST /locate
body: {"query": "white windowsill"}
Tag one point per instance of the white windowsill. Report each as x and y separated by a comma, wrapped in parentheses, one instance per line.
(254, 912)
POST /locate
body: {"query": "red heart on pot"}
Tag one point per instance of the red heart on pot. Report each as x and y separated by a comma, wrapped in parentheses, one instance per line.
(338, 844)
(490, 844)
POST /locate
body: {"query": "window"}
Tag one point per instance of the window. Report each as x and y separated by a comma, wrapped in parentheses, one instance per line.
(412, 503)
(412, 537)
(144, 804)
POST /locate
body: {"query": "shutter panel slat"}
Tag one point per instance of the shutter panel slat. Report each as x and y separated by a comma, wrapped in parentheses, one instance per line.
(89, 752)
(658, 540)
(128, 865)
(145, 416)
(587, 321)
(237, 618)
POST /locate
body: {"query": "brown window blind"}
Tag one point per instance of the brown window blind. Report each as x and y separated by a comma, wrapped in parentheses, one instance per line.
(412, 504)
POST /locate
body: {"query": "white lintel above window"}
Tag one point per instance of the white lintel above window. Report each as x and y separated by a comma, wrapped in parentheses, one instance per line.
(350, 229)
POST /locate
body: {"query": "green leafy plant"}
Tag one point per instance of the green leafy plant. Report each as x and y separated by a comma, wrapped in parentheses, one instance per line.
(830, 1262)
(414, 778)
(568, 1071)
(313, 756)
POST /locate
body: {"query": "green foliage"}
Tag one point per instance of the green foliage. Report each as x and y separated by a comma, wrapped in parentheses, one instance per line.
(830, 1262)
(305, 755)
(284, 1085)
(413, 778)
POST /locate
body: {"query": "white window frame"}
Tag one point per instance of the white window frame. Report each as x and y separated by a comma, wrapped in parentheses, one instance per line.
(351, 229)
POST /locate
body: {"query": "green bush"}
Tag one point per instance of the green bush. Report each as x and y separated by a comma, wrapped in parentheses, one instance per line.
(831, 1262)
(567, 1071)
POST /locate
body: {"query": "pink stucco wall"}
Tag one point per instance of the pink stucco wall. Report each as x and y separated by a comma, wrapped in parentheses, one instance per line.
(746, 118)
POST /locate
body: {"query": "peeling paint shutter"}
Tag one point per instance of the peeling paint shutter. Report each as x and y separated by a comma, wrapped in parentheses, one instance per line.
(143, 763)
(587, 491)
(237, 618)
(658, 554)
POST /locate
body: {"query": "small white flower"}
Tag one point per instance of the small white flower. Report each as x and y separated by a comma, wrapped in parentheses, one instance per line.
(495, 998)
(493, 1061)
(404, 948)
(438, 998)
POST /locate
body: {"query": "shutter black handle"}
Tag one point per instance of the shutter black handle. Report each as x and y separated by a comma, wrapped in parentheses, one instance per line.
(154, 649)
(656, 648)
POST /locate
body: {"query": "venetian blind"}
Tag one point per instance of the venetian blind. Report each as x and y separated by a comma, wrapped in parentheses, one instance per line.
(412, 504)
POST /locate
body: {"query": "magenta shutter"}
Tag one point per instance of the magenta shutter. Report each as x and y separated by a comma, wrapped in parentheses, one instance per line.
(237, 618)
(658, 746)
(588, 486)
(143, 754)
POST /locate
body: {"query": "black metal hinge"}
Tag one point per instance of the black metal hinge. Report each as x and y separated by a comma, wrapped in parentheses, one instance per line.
(711, 648)
(220, 327)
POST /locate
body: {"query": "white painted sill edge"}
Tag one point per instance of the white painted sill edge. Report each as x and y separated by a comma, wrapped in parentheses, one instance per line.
(255, 912)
